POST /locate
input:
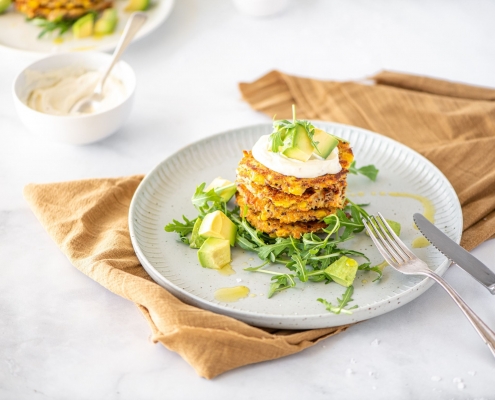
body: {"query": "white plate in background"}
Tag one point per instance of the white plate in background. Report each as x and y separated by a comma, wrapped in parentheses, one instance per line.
(18, 34)
(165, 194)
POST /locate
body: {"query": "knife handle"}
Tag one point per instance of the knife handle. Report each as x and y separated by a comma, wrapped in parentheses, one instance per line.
(483, 330)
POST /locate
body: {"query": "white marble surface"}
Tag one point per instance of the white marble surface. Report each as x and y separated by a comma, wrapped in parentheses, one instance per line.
(63, 336)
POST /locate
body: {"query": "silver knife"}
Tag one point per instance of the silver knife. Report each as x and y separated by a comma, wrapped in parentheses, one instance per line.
(456, 253)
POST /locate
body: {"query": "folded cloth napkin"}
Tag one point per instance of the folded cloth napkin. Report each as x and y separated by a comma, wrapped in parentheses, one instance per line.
(88, 221)
(451, 124)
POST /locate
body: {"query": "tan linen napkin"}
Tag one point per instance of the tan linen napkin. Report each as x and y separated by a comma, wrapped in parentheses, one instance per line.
(88, 220)
(451, 124)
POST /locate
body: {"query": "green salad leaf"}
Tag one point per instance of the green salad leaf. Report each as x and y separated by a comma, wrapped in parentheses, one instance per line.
(339, 308)
(369, 171)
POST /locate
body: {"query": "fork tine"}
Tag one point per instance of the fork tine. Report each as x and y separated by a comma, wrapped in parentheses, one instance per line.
(380, 231)
(389, 239)
(395, 238)
(385, 254)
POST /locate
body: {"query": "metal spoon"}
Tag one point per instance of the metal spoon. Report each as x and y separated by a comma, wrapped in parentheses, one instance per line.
(91, 103)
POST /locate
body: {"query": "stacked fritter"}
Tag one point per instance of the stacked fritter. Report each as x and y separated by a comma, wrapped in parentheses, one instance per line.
(54, 10)
(283, 206)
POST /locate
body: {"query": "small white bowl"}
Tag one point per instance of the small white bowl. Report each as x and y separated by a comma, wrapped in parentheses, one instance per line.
(77, 129)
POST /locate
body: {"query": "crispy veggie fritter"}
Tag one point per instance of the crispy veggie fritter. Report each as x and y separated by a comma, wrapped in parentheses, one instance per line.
(282, 205)
(54, 10)
(256, 172)
(276, 228)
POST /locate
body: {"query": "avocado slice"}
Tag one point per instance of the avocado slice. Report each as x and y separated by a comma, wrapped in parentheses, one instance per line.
(218, 225)
(107, 23)
(137, 5)
(223, 187)
(343, 271)
(299, 145)
(214, 253)
(4, 4)
(326, 143)
(83, 27)
(196, 241)
(394, 225)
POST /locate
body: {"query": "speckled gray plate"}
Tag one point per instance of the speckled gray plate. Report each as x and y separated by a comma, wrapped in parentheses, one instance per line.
(165, 194)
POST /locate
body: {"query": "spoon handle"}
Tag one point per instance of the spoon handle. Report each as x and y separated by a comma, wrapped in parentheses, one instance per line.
(133, 25)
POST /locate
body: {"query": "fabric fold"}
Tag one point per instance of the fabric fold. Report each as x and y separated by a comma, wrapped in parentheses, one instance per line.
(88, 220)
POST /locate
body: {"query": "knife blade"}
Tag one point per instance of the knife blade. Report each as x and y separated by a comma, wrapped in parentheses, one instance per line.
(456, 253)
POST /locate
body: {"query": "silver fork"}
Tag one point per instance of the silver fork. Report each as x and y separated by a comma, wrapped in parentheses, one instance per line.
(403, 260)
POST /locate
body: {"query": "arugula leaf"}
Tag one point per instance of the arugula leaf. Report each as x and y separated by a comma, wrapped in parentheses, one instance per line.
(201, 200)
(275, 249)
(183, 229)
(284, 132)
(346, 299)
(51, 26)
(281, 282)
(369, 171)
(367, 267)
(300, 267)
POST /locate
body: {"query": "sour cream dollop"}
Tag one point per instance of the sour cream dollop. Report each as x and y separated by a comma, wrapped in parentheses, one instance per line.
(56, 92)
(290, 167)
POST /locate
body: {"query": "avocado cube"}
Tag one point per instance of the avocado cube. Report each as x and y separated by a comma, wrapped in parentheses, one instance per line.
(326, 143)
(343, 271)
(396, 227)
(83, 27)
(214, 253)
(196, 241)
(223, 187)
(218, 225)
(300, 146)
(137, 5)
(107, 23)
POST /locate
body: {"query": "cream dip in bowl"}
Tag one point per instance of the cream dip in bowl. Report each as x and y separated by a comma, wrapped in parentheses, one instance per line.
(45, 91)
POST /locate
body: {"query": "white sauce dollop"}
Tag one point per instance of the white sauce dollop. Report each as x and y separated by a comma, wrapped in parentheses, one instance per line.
(290, 167)
(55, 92)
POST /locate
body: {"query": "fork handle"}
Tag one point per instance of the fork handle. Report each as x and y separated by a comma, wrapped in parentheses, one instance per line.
(483, 330)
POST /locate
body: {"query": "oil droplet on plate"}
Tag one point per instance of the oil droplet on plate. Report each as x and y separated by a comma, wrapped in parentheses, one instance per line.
(232, 294)
(226, 270)
(429, 208)
(420, 242)
(364, 281)
(382, 265)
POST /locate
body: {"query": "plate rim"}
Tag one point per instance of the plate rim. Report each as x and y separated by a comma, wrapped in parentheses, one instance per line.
(168, 7)
(238, 314)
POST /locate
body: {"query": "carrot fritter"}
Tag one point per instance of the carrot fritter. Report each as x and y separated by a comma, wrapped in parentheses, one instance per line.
(276, 228)
(282, 205)
(256, 172)
(55, 10)
(331, 197)
(268, 210)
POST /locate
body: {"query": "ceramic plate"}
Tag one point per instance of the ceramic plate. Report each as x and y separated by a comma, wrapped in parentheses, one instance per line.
(17, 34)
(165, 195)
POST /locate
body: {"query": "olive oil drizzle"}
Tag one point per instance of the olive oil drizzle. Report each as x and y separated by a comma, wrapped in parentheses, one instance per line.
(226, 270)
(231, 294)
